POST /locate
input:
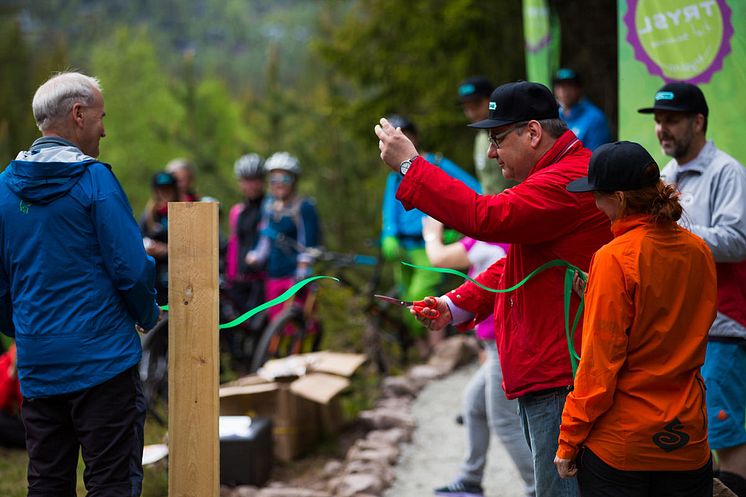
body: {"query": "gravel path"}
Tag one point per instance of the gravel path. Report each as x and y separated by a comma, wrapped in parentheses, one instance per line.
(435, 454)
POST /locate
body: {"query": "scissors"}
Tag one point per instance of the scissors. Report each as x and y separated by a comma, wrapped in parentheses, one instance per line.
(418, 306)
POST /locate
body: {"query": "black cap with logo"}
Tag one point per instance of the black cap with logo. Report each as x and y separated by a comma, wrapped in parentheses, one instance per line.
(618, 166)
(474, 88)
(566, 75)
(518, 102)
(679, 97)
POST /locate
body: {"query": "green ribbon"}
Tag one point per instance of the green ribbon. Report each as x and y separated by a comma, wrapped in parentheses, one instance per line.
(277, 300)
(570, 272)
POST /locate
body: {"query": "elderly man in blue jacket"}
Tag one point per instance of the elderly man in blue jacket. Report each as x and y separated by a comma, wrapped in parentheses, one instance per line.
(74, 283)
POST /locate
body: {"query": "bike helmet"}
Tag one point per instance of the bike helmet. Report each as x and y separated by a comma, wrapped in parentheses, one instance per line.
(402, 122)
(163, 179)
(284, 162)
(249, 166)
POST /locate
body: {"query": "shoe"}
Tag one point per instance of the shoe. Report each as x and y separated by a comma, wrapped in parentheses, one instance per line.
(460, 489)
(459, 419)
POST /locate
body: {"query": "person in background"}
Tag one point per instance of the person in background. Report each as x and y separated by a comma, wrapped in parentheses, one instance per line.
(183, 171)
(635, 423)
(713, 193)
(244, 282)
(486, 409)
(12, 432)
(401, 238)
(154, 228)
(474, 96)
(74, 283)
(587, 121)
(289, 226)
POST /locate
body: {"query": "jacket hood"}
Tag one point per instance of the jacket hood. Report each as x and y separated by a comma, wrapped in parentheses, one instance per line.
(46, 172)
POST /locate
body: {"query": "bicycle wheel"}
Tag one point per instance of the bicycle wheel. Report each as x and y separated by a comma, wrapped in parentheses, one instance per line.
(283, 336)
(154, 369)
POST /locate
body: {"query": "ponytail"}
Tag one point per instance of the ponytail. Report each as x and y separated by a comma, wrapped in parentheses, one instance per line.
(660, 201)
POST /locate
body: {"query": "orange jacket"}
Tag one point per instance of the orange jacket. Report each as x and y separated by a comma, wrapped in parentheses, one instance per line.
(639, 401)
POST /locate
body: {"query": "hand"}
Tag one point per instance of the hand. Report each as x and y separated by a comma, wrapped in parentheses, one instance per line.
(433, 303)
(250, 259)
(565, 467)
(390, 248)
(432, 229)
(157, 249)
(302, 271)
(578, 284)
(394, 145)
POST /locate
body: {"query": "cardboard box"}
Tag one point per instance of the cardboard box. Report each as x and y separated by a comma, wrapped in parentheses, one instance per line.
(294, 418)
(301, 408)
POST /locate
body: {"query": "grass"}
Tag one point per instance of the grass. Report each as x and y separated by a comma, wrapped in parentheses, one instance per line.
(13, 464)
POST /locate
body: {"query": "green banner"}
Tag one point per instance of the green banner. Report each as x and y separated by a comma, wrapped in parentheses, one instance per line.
(541, 36)
(699, 41)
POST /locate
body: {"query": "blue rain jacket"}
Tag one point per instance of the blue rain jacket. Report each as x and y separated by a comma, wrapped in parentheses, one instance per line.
(74, 276)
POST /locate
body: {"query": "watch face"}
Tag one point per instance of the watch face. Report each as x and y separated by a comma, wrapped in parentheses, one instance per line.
(404, 167)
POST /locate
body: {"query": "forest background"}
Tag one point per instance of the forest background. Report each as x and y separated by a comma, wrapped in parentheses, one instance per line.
(210, 80)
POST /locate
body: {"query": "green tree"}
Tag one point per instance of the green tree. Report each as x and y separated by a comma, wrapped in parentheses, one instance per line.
(143, 117)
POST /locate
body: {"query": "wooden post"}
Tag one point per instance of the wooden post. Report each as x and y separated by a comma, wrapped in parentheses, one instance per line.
(194, 451)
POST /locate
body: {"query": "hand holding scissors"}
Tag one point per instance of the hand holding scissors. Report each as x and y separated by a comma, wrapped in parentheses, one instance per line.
(432, 312)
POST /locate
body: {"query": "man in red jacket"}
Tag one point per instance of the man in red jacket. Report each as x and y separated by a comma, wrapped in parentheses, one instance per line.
(542, 222)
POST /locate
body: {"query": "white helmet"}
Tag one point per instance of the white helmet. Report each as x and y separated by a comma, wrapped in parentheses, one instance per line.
(283, 161)
(249, 166)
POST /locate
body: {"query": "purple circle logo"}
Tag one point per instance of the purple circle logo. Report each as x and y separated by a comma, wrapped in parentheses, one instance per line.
(680, 40)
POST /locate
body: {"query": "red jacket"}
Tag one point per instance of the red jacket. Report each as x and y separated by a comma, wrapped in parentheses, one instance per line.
(10, 388)
(542, 221)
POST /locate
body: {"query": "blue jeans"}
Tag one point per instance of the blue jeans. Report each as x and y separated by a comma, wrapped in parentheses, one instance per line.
(487, 409)
(541, 416)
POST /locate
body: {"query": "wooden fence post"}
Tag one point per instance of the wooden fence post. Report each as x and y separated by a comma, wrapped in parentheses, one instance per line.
(194, 452)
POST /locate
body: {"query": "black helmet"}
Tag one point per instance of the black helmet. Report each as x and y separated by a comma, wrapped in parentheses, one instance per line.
(163, 178)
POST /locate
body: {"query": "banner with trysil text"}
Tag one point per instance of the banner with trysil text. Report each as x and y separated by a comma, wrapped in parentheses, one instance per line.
(698, 41)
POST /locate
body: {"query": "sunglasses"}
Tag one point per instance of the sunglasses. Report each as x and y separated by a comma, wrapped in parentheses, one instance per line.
(284, 179)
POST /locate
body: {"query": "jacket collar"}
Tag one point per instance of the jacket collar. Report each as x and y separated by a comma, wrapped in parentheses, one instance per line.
(622, 225)
(696, 165)
(567, 143)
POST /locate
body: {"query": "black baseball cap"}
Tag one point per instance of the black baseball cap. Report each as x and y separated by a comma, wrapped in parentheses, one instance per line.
(566, 75)
(474, 88)
(618, 166)
(679, 97)
(402, 122)
(518, 102)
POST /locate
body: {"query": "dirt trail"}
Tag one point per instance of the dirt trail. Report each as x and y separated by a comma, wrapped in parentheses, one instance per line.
(435, 454)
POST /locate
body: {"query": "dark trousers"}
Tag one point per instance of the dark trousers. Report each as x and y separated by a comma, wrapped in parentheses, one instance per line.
(104, 422)
(598, 479)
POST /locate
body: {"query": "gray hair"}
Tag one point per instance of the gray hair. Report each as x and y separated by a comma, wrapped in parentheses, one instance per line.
(55, 98)
(180, 163)
(553, 127)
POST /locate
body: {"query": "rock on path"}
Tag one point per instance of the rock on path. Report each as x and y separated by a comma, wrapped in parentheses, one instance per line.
(434, 457)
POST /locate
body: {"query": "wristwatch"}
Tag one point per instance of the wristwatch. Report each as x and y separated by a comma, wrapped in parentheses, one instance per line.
(405, 165)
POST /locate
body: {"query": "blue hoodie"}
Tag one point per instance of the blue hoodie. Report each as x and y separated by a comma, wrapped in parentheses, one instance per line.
(74, 276)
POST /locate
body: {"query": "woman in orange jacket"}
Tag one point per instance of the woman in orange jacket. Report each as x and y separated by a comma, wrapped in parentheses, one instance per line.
(635, 423)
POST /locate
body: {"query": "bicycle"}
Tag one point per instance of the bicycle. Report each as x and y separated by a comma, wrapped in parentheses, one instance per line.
(383, 327)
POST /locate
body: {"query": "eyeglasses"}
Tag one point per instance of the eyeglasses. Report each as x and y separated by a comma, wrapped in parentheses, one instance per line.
(496, 139)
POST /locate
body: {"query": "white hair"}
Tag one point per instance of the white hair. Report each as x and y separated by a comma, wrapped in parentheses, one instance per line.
(55, 98)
